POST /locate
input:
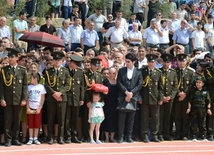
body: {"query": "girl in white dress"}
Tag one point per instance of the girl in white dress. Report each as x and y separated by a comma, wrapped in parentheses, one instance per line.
(95, 118)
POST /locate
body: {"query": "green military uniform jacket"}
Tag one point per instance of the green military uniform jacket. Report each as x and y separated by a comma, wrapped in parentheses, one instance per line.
(54, 83)
(170, 82)
(152, 90)
(77, 90)
(199, 98)
(209, 75)
(13, 87)
(89, 77)
(185, 81)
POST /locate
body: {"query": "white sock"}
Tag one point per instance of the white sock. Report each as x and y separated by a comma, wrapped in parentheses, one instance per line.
(35, 138)
(31, 138)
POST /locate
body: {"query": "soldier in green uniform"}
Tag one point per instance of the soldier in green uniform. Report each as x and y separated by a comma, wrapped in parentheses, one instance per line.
(209, 75)
(170, 82)
(185, 83)
(75, 98)
(13, 92)
(152, 98)
(57, 83)
(90, 75)
(199, 105)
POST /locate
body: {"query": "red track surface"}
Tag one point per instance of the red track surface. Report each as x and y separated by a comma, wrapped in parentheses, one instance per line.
(138, 148)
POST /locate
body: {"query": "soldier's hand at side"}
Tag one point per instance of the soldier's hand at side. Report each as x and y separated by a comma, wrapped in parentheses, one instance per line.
(28, 111)
(188, 111)
(140, 101)
(81, 103)
(160, 102)
(209, 112)
(23, 103)
(3, 103)
(89, 105)
(165, 99)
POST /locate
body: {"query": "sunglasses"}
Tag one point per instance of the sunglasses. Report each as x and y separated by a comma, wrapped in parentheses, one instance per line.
(158, 14)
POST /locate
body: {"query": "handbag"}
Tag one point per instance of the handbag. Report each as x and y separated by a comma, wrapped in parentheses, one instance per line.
(127, 106)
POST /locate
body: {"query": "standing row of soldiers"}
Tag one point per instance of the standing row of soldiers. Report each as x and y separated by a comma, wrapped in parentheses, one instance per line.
(162, 90)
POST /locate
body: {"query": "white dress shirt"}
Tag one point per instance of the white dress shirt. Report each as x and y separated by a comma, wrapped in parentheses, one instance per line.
(117, 35)
(130, 73)
(135, 34)
(151, 36)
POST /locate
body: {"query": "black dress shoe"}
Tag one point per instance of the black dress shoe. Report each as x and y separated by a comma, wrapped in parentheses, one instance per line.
(161, 138)
(75, 140)
(155, 139)
(7, 144)
(120, 140)
(129, 140)
(168, 138)
(145, 139)
(68, 141)
(17, 143)
(50, 141)
(61, 142)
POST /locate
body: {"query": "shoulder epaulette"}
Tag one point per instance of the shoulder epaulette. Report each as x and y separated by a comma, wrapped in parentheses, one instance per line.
(171, 69)
(22, 67)
(158, 70)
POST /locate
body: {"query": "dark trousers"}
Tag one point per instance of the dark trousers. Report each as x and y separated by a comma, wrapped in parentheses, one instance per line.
(125, 118)
(180, 117)
(116, 7)
(56, 108)
(165, 118)
(12, 119)
(87, 48)
(154, 111)
(85, 124)
(210, 120)
(74, 46)
(72, 113)
(164, 46)
(140, 17)
(100, 35)
(67, 48)
(82, 11)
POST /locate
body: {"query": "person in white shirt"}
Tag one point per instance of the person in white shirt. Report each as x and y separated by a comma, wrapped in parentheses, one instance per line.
(198, 38)
(142, 60)
(151, 34)
(207, 27)
(116, 34)
(76, 31)
(181, 12)
(164, 40)
(122, 20)
(135, 36)
(157, 18)
(176, 23)
(210, 39)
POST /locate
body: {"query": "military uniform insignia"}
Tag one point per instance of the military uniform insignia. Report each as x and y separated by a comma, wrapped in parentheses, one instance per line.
(156, 83)
(187, 81)
(172, 83)
(20, 81)
(63, 82)
(204, 92)
(78, 82)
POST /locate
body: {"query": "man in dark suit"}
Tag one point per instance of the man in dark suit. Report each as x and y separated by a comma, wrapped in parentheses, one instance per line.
(57, 83)
(170, 83)
(75, 98)
(129, 82)
(152, 98)
(13, 93)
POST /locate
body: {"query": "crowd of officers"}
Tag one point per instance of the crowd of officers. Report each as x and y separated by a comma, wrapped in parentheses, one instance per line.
(164, 99)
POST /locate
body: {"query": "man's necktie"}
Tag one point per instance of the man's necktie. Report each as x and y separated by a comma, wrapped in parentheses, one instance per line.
(150, 73)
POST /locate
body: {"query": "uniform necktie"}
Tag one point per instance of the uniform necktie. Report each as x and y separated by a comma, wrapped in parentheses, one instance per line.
(150, 73)
(72, 72)
(13, 70)
(57, 72)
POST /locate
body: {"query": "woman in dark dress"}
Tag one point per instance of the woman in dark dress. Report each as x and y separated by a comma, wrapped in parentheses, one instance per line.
(109, 125)
(153, 8)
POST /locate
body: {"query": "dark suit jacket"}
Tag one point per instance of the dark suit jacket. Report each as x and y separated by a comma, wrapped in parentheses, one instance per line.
(17, 91)
(209, 75)
(122, 82)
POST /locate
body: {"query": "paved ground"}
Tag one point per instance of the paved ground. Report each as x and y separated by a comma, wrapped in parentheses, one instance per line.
(138, 148)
